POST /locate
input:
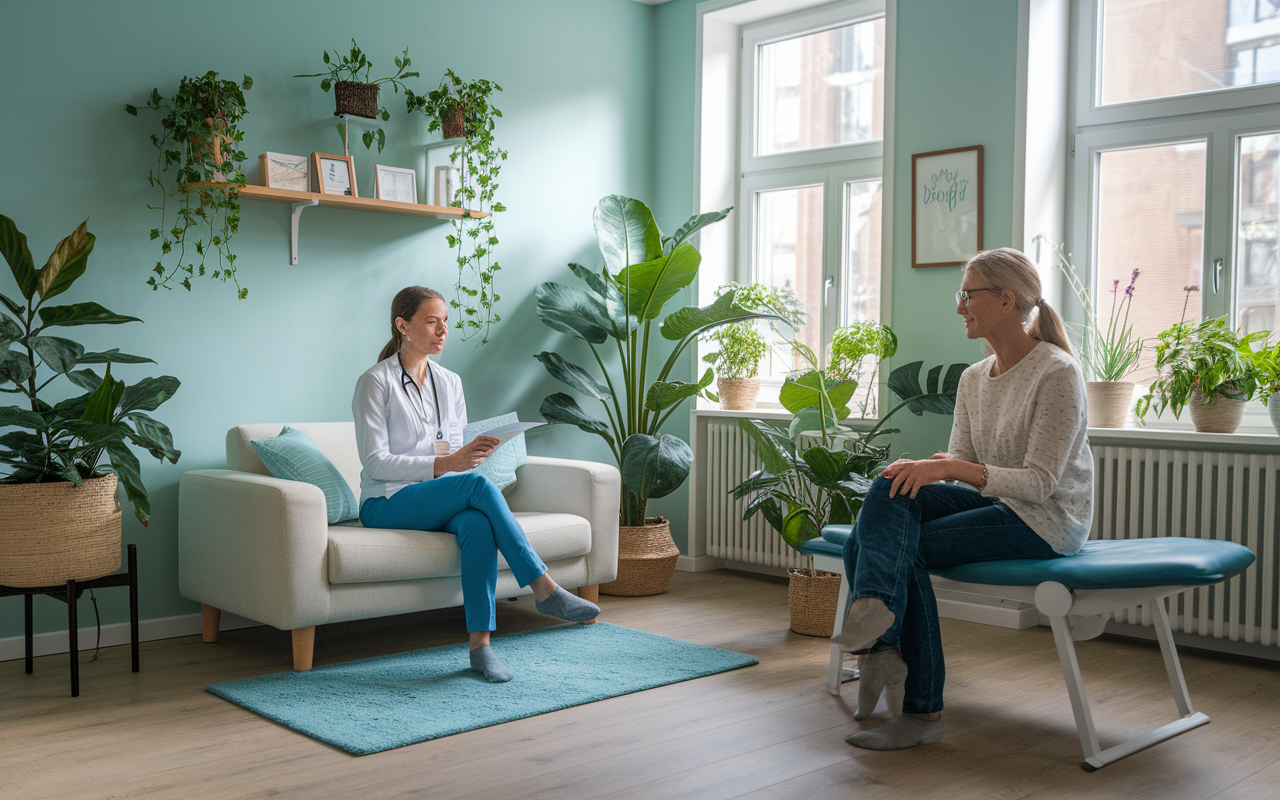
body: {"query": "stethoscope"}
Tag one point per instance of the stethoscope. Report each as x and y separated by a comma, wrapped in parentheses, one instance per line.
(406, 380)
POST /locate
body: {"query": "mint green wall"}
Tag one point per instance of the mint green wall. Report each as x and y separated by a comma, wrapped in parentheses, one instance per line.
(579, 124)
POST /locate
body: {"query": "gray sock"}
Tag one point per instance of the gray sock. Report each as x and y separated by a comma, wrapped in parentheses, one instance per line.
(568, 607)
(484, 660)
(868, 618)
(882, 672)
(899, 733)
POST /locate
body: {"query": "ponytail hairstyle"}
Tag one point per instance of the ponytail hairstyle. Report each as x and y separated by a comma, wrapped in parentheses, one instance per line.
(1007, 270)
(405, 305)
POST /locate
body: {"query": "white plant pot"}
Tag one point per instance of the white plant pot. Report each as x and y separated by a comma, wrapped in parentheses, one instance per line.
(1273, 411)
(1224, 416)
(1109, 402)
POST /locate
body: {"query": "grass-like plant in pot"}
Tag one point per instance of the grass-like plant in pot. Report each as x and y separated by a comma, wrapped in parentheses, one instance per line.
(463, 110)
(618, 309)
(199, 146)
(817, 469)
(1208, 367)
(355, 93)
(1109, 351)
(63, 459)
(742, 345)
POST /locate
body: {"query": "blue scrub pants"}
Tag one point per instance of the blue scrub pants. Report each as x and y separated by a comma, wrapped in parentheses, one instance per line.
(894, 544)
(470, 507)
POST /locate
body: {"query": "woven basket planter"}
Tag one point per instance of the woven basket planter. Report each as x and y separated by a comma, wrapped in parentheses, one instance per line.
(1109, 402)
(1223, 416)
(738, 394)
(356, 99)
(454, 124)
(812, 600)
(51, 533)
(646, 558)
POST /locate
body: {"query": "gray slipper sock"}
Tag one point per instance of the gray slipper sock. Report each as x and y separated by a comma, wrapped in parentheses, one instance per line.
(867, 620)
(899, 733)
(882, 671)
(568, 607)
(483, 659)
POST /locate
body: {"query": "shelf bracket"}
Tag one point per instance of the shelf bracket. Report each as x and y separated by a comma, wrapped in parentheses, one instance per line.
(297, 213)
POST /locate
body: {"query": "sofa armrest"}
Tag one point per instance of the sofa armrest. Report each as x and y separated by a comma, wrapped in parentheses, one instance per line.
(254, 545)
(587, 488)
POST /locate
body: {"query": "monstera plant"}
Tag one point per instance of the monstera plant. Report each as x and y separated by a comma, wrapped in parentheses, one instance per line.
(618, 309)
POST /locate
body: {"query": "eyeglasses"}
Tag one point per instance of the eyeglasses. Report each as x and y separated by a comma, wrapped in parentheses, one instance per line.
(962, 296)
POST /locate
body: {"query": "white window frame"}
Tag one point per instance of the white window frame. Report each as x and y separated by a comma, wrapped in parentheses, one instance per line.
(1219, 118)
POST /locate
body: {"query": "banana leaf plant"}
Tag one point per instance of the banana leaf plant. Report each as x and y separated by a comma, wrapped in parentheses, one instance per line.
(68, 441)
(818, 469)
(618, 309)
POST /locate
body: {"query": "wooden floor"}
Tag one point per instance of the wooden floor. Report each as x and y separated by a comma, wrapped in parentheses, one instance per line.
(768, 731)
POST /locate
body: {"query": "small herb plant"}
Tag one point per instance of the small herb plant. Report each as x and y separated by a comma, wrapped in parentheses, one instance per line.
(199, 144)
(355, 67)
(1266, 364)
(478, 160)
(851, 345)
(742, 345)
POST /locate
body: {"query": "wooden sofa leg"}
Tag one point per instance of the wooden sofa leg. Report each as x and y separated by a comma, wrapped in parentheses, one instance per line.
(591, 593)
(210, 618)
(304, 645)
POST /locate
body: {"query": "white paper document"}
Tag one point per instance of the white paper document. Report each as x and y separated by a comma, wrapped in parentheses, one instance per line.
(504, 433)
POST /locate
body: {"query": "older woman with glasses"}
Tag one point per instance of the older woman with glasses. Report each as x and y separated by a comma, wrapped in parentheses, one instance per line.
(1019, 440)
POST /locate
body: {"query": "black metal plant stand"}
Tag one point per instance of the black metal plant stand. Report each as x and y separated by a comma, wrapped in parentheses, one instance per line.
(68, 595)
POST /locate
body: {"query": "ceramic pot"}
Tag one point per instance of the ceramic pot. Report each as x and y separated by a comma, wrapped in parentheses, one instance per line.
(738, 394)
(1223, 416)
(1273, 411)
(1109, 402)
(51, 533)
(812, 601)
(646, 558)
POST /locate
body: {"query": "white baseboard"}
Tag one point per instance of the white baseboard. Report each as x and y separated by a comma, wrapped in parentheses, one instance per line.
(149, 630)
(986, 610)
(698, 563)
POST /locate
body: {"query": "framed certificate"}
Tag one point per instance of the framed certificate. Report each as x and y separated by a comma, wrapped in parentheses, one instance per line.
(333, 174)
(946, 206)
(395, 183)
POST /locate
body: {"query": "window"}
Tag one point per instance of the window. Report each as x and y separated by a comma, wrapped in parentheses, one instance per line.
(1176, 139)
(810, 168)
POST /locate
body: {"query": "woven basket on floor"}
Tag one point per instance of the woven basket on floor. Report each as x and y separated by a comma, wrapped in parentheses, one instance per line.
(51, 533)
(812, 600)
(356, 99)
(738, 394)
(646, 558)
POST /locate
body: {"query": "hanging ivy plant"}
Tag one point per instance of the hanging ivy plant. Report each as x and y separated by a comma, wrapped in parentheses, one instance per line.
(200, 155)
(462, 109)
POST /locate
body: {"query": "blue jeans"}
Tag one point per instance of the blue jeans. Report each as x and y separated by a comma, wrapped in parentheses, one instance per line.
(894, 544)
(470, 507)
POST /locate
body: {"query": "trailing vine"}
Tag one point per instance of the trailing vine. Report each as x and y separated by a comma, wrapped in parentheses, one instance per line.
(478, 161)
(200, 142)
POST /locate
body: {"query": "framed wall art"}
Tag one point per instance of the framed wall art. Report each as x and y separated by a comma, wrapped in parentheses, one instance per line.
(280, 171)
(946, 206)
(333, 174)
(395, 183)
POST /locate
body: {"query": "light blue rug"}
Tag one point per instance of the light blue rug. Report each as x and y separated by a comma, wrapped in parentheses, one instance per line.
(381, 703)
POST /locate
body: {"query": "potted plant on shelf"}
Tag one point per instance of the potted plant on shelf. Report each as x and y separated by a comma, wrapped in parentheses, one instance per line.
(742, 346)
(59, 515)
(1208, 367)
(1266, 364)
(621, 305)
(817, 470)
(853, 344)
(356, 95)
(463, 110)
(1108, 352)
(200, 143)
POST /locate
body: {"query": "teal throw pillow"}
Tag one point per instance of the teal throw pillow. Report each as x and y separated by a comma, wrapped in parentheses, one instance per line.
(501, 466)
(294, 457)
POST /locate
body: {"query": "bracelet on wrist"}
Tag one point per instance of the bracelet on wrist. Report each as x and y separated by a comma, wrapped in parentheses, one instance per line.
(983, 484)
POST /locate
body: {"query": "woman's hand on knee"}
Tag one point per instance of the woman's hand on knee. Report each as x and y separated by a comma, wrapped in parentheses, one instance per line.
(908, 476)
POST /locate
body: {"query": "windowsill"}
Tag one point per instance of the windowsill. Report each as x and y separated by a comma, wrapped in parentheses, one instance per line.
(1187, 437)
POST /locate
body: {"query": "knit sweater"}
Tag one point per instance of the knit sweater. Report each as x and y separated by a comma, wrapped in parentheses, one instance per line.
(1027, 426)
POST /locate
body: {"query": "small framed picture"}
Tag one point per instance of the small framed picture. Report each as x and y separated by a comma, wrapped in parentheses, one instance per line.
(446, 185)
(946, 206)
(333, 174)
(395, 183)
(280, 171)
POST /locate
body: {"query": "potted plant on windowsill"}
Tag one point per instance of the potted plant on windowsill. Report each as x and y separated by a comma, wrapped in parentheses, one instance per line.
(742, 346)
(1208, 367)
(1266, 363)
(59, 515)
(1108, 352)
(620, 306)
(355, 94)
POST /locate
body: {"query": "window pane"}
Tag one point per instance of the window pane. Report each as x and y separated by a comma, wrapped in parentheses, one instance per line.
(788, 256)
(822, 89)
(1256, 221)
(1163, 48)
(1151, 218)
(861, 271)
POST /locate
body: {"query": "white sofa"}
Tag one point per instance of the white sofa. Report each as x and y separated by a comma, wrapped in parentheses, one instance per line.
(262, 548)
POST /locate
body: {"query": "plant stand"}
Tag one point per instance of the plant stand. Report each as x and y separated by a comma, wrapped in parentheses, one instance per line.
(68, 595)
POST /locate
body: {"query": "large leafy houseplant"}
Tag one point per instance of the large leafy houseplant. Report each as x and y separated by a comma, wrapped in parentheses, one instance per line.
(343, 73)
(621, 305)
(464, 111)
(199, 147)
(87, 434)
